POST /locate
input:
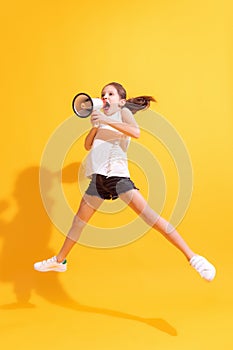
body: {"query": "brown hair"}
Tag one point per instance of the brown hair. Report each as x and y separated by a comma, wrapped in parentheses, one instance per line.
(139, 103)
(134, 104)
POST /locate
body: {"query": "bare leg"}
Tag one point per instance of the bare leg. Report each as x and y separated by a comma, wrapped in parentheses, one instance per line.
(136, 201)
(88, 206)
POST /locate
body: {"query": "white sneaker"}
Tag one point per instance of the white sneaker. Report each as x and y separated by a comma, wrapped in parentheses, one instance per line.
(50, 265)
(203, 267)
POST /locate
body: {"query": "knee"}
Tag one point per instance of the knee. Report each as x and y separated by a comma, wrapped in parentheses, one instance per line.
(164, 226)
(77, 222)
(149, 216)
(156, 221)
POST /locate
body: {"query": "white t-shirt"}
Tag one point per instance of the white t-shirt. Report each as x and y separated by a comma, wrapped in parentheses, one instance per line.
(108, 155)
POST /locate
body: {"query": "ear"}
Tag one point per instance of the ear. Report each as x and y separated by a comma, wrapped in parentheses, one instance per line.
(122, 102)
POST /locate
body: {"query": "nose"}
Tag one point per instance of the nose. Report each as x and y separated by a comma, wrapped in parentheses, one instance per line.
(105, 97)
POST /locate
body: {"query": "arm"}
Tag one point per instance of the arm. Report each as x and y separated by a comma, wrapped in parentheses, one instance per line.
(90, 138)
(128, 126)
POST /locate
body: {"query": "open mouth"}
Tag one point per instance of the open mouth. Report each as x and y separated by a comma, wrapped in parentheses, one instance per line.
(106, 106)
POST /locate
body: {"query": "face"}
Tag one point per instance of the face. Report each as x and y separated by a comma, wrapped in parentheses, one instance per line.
(112, 101)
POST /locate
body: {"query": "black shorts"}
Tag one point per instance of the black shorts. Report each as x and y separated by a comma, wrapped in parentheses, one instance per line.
(109, 187)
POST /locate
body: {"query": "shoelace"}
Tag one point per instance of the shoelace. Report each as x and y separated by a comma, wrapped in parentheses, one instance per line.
(201, 265)
(50, 260)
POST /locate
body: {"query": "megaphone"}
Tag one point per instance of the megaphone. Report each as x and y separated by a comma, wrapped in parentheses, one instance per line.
(83, 105)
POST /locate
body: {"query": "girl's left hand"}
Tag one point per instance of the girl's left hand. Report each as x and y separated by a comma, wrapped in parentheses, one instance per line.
(98, 118)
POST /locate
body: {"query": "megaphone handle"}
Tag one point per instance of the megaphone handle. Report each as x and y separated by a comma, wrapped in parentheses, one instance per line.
(97, 124)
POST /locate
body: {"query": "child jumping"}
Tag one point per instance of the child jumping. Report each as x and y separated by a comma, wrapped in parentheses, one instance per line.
(107, 167)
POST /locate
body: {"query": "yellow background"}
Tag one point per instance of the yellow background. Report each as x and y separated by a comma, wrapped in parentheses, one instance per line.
(143, 295)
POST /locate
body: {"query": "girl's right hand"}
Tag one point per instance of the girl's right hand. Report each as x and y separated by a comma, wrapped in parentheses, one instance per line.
(98, 118)
(95, 123)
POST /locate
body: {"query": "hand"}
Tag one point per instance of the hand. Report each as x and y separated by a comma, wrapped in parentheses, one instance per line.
(98, 118)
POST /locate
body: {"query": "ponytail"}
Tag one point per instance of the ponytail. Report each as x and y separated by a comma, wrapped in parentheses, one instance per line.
(139, 103)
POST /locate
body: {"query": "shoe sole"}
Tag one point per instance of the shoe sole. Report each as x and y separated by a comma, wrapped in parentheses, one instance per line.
(52, 269)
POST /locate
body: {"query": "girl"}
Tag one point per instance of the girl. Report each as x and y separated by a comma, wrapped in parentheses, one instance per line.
(107, 167)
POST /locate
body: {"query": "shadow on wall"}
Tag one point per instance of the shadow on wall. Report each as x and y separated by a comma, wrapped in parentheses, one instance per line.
(27, 237)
